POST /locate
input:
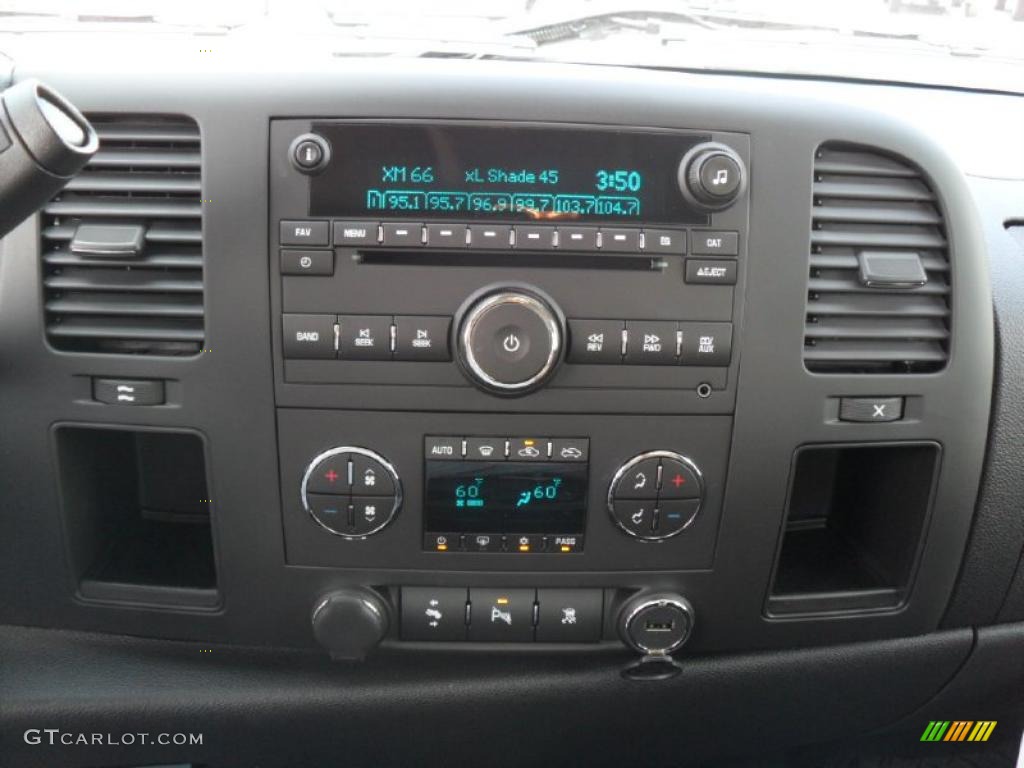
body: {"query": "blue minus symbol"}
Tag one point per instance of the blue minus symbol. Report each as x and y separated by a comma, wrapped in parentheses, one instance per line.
(330, 510)
(475, 503)
(674, 515)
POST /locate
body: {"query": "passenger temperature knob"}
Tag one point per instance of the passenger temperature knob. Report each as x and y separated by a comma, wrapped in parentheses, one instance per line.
(711, 176)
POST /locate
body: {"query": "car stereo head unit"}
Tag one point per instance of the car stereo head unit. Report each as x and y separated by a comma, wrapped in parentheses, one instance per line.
(450, 254)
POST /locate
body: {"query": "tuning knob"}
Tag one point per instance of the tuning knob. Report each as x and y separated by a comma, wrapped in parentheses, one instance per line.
(350, 623)
(510, 340)
(711, 176)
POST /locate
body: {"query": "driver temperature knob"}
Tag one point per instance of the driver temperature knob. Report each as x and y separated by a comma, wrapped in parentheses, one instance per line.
(711, 176)
(510, 340)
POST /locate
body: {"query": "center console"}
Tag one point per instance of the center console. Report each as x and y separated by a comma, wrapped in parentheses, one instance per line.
(493, 297)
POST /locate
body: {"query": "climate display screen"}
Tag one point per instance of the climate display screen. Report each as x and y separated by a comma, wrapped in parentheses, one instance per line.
(505, 497)
(501, 173)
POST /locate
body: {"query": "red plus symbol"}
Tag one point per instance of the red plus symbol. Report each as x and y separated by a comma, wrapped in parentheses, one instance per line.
(678, 480)
(331, 475)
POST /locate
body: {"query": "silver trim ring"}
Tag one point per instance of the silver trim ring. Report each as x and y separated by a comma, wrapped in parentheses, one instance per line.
(370, 455)
(658, 602)
(536, 306)
(686, 461)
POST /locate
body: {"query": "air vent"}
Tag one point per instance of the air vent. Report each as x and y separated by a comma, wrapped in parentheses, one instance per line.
(872, 209)
(122, 244)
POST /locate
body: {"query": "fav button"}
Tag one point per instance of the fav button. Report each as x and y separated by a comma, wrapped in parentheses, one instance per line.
(304, 233)
(569, 615)
(501, 615)
(433, 613)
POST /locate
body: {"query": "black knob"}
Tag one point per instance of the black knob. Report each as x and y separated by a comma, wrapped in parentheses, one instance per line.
(656, 624)
(350, 623)
(510, 340)
(711, 176)
(309, 153)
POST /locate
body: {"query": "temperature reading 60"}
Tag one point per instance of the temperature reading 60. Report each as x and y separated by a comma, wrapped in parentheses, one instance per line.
(540, 493)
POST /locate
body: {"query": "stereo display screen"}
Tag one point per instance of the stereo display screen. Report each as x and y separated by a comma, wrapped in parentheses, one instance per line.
(521, 173)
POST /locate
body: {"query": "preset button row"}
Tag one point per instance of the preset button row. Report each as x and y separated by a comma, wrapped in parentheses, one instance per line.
(703, 242)
(366, 337)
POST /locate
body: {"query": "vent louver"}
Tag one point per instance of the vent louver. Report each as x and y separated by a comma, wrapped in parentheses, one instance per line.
(870, 204)
(148, 300)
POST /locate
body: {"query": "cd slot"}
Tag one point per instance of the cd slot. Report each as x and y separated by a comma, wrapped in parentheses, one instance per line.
(551, 260)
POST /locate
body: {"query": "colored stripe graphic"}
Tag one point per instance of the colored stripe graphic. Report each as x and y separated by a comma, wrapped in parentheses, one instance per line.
(935, 730)
(982, 730)
(958, 731)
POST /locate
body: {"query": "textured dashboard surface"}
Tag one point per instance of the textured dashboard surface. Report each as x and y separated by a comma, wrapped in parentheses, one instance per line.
(288, 708)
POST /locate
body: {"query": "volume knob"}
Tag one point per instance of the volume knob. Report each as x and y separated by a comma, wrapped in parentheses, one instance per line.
(711, 176)
(510, 340)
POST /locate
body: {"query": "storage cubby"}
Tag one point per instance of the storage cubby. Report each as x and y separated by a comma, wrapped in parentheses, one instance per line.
(855, 521)
(136, 510)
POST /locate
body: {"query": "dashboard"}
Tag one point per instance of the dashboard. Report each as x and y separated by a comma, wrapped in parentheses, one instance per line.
(451, 374)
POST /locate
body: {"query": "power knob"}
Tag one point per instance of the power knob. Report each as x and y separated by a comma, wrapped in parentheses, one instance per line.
(510, 340)
(711, 176)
